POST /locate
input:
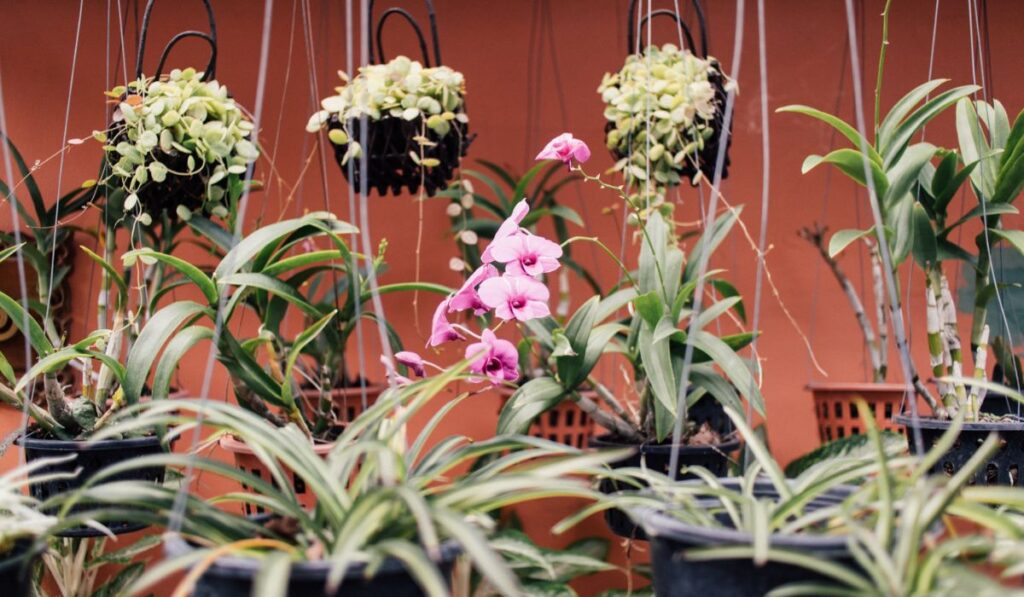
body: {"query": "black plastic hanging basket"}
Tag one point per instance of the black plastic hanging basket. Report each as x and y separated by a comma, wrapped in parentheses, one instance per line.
(707, 157)
(657, 457)
(389, 143)
(91, 458)
(17, 565)
(1005, 466)
(188, 191)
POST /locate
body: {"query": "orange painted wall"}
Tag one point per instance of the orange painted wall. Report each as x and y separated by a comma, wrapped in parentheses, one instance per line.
(490, 42)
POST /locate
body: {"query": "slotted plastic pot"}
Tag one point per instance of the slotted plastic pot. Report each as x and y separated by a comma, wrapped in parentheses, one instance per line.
(91, 457)
(233, 576)
(566, 423)
(675, 574)
(836, 411)
(246, 461)
(1005, 466)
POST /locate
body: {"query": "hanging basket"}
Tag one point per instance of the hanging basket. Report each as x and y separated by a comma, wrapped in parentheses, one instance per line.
(566, 423)
(836, 410)
(347, 403)
(393, 159)
(705, 159)
(91, 458)
(247, 462)
(1004, 468)
(657, 457)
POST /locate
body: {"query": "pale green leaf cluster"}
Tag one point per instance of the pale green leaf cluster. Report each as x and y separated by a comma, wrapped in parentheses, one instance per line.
(159, 122)
(402, 88)
(662, 107)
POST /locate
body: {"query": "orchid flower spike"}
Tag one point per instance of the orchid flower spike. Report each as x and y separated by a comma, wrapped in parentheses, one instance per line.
(467, 296)
(516, 297)
(565, 148)
(495, 359)
(413, 361)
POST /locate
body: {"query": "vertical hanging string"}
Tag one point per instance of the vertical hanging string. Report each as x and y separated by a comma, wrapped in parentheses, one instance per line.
(176, 517)
(702, 263)
(22, 280)
(364, 218)
(880, 234)
(765, 185)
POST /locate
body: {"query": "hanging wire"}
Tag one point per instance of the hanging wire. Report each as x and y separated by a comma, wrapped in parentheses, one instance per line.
(702, 263)
(880, 233)
(176, 518)
(762, 61)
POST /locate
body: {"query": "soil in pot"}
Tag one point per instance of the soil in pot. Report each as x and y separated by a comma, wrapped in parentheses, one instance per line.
(91, 458)
(1004, 468)
(246, 461)
(706, 448)
(566, 423)
(232, 576)
(674, 574)
(16, 567)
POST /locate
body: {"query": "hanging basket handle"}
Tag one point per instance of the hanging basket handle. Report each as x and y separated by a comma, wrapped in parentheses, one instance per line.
(701, 23)
(394, 10)
(210, 38)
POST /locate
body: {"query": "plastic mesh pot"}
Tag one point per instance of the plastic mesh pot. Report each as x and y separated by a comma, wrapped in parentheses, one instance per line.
(674, 574)
(91, 458)
(566, 423)
(346, 402)
(232, 576)
(16, 568)
(387, 153)
(658, 457)
(246, 461)
(837, 413)
(1005, 466)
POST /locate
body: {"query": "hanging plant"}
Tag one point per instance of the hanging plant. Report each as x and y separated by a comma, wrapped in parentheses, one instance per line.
(178, 144)
(665, 106)
(417, 126)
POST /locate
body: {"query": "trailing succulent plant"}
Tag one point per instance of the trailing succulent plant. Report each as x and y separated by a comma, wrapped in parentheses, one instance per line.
(665, 106)
(422, 110)
(177, 145)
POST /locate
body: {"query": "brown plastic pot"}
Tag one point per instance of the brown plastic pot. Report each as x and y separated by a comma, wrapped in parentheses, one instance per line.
(836, 409)
(566, 423)
(348, 402)
(246, 461)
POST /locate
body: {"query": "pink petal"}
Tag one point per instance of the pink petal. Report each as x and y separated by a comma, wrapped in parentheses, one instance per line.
(411, 360)
(441, 331)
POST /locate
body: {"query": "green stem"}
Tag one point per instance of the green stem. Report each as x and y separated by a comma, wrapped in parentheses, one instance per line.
(982, 280)
(881, 67)
(604, 248)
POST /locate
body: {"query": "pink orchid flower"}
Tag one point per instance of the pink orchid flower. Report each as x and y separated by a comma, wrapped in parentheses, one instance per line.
(441, 331)
(496, 359)
(527, 254)
(467, 297)
(393, 376)
(565, 148)
(510, 227)
(516, 297)
(413, 361)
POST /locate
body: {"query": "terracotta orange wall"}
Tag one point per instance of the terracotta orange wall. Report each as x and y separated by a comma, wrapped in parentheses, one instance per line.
(490, 43)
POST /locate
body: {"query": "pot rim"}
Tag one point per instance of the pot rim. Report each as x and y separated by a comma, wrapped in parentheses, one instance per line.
(605, 441)
(657, 524)
(86, 445)
(242, 567)
(235, 445)
(857, 386)
(373, 390)
(934, 423)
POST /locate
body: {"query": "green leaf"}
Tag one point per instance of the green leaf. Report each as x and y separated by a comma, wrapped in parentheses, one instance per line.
(656, 357)
(172, 355)
(26, 324)
(924, 249)
(732, 365)
(160, 327)
(112, 273)
(531, 399)
(301, 341)
(240, 256)
(273, 286)
(980, 211)
(193, 273)
(851, 163)
(906, 171)
(650, 307)
(1014, 237)
(708, 243)
(727, 290)
(902, 108)
(975, 148)
(272, 576)
(843, 238)
(416, 563)
(847, 131)
(892, 147)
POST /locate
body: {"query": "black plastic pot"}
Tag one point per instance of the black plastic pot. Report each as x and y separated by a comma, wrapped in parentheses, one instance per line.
(657, 457)
(1004, 468)
(388, 150)
(16, 568)
(675, 574)
(91, 458)
(231, 576)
